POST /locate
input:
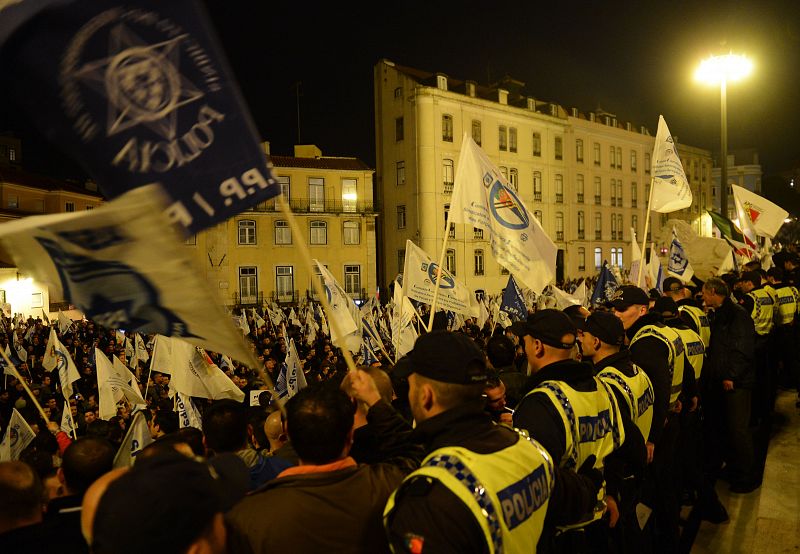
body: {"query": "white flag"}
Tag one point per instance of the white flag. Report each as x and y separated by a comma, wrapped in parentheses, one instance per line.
(403, 333)
(766, 255)
(295, 378)
(419, 283)
(140, 350)
(745, 223)
(64, 322)
(637, 263)
(188, 416)
(56, 356)
(103, 261)
(67, 423)
(17, 437)
(482, 198)
(22, 354)
(655, 269)
(670, 190)
(483, 314)
(580, 294)
(192, 372)
(114, 382)
(136, 439)
(679, 265)
(564, 299)
(347, 314)
(765, 216)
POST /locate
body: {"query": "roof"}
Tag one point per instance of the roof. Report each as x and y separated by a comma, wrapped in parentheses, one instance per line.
(345, 164)
(23, 178)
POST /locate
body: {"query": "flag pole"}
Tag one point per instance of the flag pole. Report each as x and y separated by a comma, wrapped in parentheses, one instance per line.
(16, 374)
(644, 235)
(333, 324)
(439, 273)
(380, 343)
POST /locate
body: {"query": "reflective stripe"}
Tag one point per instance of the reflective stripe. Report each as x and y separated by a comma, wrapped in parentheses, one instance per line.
(565, 404)
(763, 306)
(621, 382)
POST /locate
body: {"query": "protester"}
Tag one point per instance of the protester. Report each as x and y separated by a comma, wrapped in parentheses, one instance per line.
(21, 509)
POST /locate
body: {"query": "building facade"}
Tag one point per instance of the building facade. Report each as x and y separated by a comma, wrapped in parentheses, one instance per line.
(744, 170)
(253, 257)
(585, 176)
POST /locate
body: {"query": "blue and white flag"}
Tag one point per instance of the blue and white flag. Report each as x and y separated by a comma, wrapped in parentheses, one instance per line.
(670, 191)
(136, 439)
(102, 261)
(56, 356)
(17, 437)
(605, 287)
(139, 92)
(483, 198)
(188, 416)
(347, 333)
(513, 303)
(656, 269)
(679, 265)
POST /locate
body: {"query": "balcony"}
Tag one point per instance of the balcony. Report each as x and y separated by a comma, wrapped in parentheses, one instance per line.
(448, 187)
(597, 199)
(305, 205)
(559, 198)
(580, 198)
(537, 196)
(248, 300)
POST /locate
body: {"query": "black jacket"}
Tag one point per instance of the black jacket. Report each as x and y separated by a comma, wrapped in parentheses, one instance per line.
(730, 354)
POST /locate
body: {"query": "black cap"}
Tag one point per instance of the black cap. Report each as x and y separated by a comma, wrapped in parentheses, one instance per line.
(665, 306)
(673, 284)
(549, 326)
(445, 356)
(627, 295)
(607, 327)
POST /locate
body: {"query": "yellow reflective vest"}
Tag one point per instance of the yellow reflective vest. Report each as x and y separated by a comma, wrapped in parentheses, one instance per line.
(763, 310)
(637, 392)
(695, 350)
(788, 301)
(672, 339)
(701, 322)
(507, 491)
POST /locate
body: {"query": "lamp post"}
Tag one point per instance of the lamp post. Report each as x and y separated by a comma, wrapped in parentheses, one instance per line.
(721, 70)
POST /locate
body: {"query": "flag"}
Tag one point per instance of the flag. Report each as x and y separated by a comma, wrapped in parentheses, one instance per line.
(344, 310)
(679, 265)
(114, 382)
(56, 356)
(636, 261)
(403, 333)
(102, 261)
(192, 372)
(241, 323)
(727, 228)
(483, 314)
(293, 318)
(22, 354)
(139, 350)
(766, 255)
(275, 316)
(67, 423)
(746, 225)
(670, 190)
(656, 269)
(64, 322)
(295, 378)
(260, 322)
(17, 437)
(513, 303)
(45, 318)
(564, 299)
(136, 439)
(765, 216)
(605, 287)
(188, 416)
(419, 283)
(482, 198)
(580, 293)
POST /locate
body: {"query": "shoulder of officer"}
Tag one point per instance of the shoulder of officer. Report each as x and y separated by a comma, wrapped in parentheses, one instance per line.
(417, 486)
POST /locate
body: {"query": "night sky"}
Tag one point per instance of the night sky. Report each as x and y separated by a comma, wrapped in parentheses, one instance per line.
(633, 59)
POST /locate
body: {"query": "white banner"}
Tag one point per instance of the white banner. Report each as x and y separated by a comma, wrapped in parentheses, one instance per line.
(671, 191)
(765, 216)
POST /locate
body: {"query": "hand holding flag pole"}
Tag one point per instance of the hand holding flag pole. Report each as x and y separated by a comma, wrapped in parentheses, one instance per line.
(16, 374)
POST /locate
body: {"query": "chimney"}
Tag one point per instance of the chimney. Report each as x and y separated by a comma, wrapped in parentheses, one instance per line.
(441, 81)
(502, 96)
(265, 146)
(471, 89)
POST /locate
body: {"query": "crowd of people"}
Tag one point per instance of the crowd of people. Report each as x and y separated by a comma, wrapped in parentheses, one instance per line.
(574, 430)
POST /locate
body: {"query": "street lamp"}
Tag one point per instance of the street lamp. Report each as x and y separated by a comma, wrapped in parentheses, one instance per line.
(721, 70)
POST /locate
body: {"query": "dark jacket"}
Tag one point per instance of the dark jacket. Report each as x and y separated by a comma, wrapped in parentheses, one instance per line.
(428, 509)
(336, 511)
(62, 525)
(730, 354)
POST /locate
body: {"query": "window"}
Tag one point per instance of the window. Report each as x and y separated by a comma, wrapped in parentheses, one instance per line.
(349, 195)
(579, 150)
(351, 233)
(558, 148)
(451, 226)
(248, 285)
(581, 259)
(399, 131)
(634, 194)
(401, 217)
(612, 157)
(581, 225)
(352, 279)
(619, 193)
(539, 216)
(476, 131)
(596, 153)
(400, 173)
(579, 188)
(513, 179)
(89, 207)
(559, 226)
(613, 255)
(598, 191)
(613, 227)
(613, 192)
(537, 186)
(512, 139)
(598, 226)
(616, 257)
(619, 157)
(450, 261)
(503, 139)
(635, 223)
(633, 160)
(191, 240)
(537, 144)
(477, 233)
(12, 154)
(284, 283)
(620, 235)
(247, 231)
(504, 172)
(647, 190)
(286, 186)
(598, 257)
(447, 128)
(283, 233)
(559, 189)
(398, 93)
(69, 207)
(447, 175)
(401, 260)
(478, 256)
(319, 233)
(647, 162)
(316, 194)
(13, 201)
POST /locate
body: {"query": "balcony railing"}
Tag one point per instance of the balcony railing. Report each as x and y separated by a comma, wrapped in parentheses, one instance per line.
(598, 235)
(580, 198)
(559, 198)
(597, 199)
(248, 299)
(448, 187)
(305, 205)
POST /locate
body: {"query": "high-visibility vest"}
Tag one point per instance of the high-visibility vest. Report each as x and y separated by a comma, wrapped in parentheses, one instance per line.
(637, 390)
(763, 310)
(674, 343)
(701, 322)
(695, 350)
(788, 297)
(507, 491)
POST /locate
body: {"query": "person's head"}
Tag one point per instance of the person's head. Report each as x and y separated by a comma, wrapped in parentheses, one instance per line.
(84, 461)
(791, 262)
(194, 438)
(500, 351)
(603, 335)
(445, 370)
(21, 496)
(629, 303)
(163, 423)
(675, 289)
(752, 266)
(225, 426)
(92, 498)
(275, 430)
(715, 291)
(775, 275)
(90, 416)
(319, 421)
(495, 392)
(548, 336)
(665, 307)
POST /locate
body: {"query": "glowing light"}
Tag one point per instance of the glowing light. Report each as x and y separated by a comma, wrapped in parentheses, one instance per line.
(725, 68)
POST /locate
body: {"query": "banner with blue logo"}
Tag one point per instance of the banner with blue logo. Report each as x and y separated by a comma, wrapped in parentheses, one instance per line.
(139, 93)
(513, 303)
(679, 265)
(605, 287)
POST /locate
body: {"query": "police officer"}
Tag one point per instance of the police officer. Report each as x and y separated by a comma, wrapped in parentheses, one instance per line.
(760, 304)
(788, 302)
(691, 314)
(482, 487)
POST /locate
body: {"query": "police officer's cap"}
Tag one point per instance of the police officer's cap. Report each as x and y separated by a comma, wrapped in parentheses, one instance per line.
(549, 326)
(628, 295)
(607, 327)
(445, 356)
